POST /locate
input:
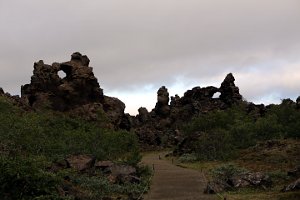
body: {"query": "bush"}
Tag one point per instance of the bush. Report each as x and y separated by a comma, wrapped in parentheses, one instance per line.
(187, 158)
(222, 133)
(25, 178)
(214, 145)
(31, 141)
(227, 171)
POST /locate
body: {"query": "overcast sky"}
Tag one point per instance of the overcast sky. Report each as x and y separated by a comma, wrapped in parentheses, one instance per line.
(136, 46)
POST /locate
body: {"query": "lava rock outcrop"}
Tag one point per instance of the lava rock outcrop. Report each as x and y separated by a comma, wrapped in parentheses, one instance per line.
(162, 107)
(78, 87)
(78, 93)
(229, 92)
(161, 124)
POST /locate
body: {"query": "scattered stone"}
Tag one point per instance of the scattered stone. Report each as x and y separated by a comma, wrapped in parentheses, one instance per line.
(80, 162)
(253, 179)
(122, 174)
(104, 164)
(216, 186)
(58, 165)
(123, 179)
(293, 186)
(249, 179)
(122, 170)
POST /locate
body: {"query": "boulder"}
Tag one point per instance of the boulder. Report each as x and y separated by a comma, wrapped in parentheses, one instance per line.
(216, 186)
(122, 170)
(292, 186)
(80, 162)
(123, 179)
(123, 174)
(58, 165)
(249, 179)
(104, 166)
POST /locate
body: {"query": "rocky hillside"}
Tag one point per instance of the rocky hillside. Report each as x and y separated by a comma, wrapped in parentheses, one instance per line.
(79, 94)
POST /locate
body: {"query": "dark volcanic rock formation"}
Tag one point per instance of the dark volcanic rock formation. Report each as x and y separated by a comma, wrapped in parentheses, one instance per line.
(298, 102)
(78, 92)
(162, 123)
(229, 92)
(162, 107)
(15, 100)
(79, 87)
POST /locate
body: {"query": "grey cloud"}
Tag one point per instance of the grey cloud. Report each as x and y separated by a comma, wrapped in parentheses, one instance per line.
(137, 43)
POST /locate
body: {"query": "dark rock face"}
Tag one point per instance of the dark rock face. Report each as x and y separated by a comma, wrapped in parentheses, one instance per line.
(79, 87)
(256, 111)
(298, 102)
(78, 93)
(143, 115)
(114, 110)
(15, 100)
(162, 107)
(229, 92)
(162, 122)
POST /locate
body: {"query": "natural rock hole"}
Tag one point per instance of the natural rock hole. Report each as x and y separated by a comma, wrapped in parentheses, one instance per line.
(216, 95)
(61, 74)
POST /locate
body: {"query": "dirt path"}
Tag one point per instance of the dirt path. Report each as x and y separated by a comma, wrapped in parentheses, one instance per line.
(173, 182)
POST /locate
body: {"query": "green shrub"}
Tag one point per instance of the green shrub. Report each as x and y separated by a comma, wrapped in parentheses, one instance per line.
(214, 145)
(222, 133)
(227, 171)
(31, 141)
(26, 178)
(187, 158)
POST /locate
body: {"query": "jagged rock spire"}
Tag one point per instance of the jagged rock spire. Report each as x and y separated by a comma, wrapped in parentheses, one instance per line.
(162, 107)
(229, 92)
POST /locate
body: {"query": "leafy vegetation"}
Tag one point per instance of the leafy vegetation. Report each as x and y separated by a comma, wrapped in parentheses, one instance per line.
(226, 171)
(31, 141)
(223, 133)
